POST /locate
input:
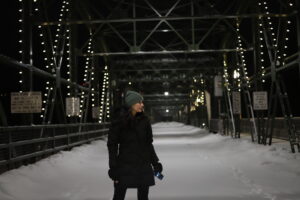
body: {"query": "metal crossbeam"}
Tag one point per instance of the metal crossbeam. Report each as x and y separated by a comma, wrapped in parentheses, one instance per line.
(163, 52)
(100, 21)
(167, 69)
(162, 95)
(12, 63)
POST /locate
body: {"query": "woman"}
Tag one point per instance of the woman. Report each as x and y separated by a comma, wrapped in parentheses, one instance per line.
(132, 158)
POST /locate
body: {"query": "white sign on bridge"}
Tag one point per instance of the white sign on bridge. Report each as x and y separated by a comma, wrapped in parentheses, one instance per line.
(72, 106)
(260, 100)
(236, 103)
(26, 102)
(96, 112)
(218, 86)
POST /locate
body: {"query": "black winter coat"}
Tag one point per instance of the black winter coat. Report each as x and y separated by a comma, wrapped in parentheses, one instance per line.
(131, 151)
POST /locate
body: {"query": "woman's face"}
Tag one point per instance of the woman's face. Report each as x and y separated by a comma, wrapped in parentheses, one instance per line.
(138, 107)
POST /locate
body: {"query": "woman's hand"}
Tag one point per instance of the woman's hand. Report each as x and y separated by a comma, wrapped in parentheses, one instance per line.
(157, 167)
(113, 174)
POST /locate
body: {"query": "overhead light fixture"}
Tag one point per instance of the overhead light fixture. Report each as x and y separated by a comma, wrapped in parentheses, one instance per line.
(167, 110)
(166, 93)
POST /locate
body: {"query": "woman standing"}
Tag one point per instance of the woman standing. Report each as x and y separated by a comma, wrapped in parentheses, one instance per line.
(132, 158)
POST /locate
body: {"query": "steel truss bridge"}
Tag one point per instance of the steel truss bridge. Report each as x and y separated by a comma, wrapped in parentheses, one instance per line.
(171, 51)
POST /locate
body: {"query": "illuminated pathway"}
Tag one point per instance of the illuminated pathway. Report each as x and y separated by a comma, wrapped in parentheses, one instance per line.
(197, 165)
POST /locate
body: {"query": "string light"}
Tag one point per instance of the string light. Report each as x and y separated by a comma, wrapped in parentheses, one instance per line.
(289, 25)
(271, 30)
(202, 92)
(63, 13)
(198, 94)
(69, 72)
(68, 64)
(102, 100)
(241, 62)
(278, 55)
(21, 13)
(86, 76)
(225, 74)
(52, 60)
(107, 99)
(92, 81)
(261, 49)
(36, 9)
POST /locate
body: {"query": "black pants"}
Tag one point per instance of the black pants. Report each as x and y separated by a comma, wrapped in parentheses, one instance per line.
(120, 192)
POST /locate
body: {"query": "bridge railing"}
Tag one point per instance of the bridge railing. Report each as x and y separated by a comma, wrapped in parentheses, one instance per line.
(21, 145)
(280, 131)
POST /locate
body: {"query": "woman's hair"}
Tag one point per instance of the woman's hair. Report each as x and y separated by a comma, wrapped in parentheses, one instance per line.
(127, 119)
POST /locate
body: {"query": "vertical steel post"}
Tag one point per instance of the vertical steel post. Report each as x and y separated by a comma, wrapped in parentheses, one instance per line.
(27, 50)
(189, 112)
(73, 58)
(27, 38)
(231, 112)
(3, 118)
(193, 24)
(298, 35)
(134, 23)
(9, 150)
(254, 44)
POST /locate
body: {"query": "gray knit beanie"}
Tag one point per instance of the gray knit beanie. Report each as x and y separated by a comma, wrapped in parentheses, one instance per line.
(132, 98)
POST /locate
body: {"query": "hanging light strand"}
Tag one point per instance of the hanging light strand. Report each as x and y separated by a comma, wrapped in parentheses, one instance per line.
(289, 25)
(92, 84)
(261, 49)
(239, 48)
(202, 92)
(225, 74)
(36, 9)
(279, 56)
(102, 100)
(64, 11)
(69, 69)
(198, 94)
(107, 98)
(21, 14)
(85, 77)
(48, 88)
(242, 57)
(265, 9)
(46, 94)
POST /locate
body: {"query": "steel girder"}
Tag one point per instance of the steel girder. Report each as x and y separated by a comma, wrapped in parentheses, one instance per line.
(129, 30)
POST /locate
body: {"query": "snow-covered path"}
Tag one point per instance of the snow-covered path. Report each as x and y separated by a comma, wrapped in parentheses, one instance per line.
(197, 166)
